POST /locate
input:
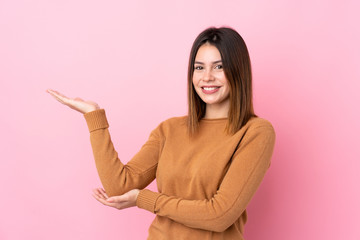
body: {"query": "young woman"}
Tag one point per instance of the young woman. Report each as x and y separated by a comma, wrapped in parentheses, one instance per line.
(207, 164)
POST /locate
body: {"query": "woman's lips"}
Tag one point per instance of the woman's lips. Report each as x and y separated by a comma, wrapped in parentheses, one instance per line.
(210, 89)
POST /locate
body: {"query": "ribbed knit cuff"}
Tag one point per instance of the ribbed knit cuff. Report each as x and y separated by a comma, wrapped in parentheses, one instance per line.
(147, 199)
(96, 120)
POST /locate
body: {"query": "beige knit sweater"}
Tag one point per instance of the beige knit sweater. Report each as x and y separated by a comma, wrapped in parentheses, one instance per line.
(204, 182)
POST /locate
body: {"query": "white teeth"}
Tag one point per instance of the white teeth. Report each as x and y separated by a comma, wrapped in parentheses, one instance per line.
(209, 88)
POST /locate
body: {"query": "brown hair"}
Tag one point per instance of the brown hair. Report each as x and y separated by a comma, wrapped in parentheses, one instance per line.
(237, 69)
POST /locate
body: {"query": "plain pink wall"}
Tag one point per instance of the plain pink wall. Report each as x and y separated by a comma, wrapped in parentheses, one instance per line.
(131, 57)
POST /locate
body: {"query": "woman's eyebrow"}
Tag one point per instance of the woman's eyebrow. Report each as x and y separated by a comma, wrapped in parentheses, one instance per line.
(198, 62)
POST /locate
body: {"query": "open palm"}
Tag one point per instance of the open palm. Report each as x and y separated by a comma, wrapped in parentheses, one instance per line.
(119, 202)
(77, 104)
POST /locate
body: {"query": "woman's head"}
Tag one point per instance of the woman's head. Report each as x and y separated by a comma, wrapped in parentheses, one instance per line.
(210, 82)
(237, 68)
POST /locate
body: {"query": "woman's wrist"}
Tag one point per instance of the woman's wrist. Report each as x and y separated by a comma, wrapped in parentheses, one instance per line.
(91, 110)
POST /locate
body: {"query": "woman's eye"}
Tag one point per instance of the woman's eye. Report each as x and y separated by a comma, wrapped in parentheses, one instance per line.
(198, 67)
(218, 67)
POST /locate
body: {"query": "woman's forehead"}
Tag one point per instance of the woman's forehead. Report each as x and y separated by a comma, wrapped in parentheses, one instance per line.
(208, 52)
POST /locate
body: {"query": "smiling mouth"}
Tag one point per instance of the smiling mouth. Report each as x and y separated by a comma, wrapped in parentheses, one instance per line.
(210, 88)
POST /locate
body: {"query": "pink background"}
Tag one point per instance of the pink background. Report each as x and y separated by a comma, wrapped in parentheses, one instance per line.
(131, 57)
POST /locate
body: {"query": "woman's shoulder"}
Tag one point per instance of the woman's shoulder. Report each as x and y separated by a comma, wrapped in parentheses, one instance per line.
(259, 122)
(176, 120)
(173, 123)
(256, 124)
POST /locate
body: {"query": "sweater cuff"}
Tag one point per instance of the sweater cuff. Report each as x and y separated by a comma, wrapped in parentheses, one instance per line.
(96, 120)
(147, 200)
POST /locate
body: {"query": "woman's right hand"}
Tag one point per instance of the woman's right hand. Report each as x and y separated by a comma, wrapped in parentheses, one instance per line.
(75, 103)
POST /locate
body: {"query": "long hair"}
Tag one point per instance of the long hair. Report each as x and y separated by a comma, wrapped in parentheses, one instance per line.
(237, 69)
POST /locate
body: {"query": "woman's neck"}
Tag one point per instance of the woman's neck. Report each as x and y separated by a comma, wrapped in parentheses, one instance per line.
(217, 110)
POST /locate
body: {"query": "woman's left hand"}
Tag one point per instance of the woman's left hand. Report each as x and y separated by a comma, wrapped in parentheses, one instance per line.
(120, 202)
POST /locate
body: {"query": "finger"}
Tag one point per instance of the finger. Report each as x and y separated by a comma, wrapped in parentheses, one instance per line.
(58, 96)
(101, 200)
(99, 194)
(56, 93)
(103, 192)
(106, 203)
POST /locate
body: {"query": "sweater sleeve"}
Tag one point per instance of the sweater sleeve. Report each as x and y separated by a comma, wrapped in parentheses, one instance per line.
(246, 171)
(116, 177)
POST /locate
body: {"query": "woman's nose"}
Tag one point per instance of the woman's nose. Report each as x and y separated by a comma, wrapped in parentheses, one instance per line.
(208, 76)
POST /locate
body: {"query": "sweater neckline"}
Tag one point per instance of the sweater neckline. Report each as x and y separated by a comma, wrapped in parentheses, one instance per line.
(213, 120)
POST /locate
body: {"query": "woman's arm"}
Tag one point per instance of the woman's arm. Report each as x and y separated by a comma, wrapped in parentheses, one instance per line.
(116, 177)
(248, 167)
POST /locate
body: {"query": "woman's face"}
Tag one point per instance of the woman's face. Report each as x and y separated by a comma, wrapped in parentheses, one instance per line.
(209, 78)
